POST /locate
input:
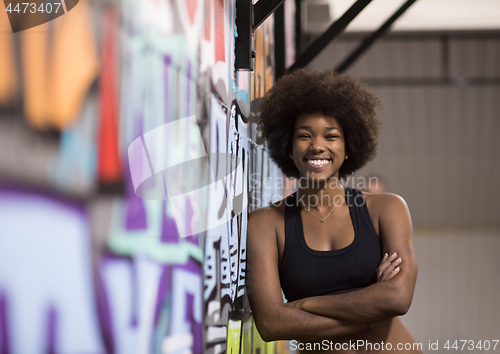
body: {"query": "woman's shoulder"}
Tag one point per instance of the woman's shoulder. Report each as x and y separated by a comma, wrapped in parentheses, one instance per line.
(382, 203)
(273, 212)
(265, 224)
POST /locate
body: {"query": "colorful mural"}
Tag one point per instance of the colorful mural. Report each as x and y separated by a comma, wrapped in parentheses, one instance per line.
(93, 261)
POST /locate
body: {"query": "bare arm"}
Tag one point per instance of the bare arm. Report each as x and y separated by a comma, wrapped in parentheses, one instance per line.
(382, 300)
(275, 320)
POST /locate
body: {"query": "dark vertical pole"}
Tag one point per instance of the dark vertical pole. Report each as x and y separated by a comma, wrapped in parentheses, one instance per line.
(298, 28)
(279, 42)
(243, 43)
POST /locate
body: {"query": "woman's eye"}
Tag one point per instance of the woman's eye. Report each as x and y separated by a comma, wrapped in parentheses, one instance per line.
(332, 136)
(303, 136)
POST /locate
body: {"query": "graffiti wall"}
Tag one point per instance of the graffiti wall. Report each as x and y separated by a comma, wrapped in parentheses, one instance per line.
(130, 161)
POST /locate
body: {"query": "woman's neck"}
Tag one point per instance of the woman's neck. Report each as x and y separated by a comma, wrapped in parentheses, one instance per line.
(319, 194)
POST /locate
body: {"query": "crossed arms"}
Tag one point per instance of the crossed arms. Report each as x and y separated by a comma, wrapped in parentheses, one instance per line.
(331, 316)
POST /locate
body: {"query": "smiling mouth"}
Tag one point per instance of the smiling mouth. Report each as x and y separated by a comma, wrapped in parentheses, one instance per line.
(318, 162)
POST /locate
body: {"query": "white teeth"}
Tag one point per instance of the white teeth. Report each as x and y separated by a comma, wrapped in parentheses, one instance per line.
(318, 162)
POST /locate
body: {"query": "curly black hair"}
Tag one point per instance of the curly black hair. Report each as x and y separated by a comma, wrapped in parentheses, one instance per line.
(340, 96)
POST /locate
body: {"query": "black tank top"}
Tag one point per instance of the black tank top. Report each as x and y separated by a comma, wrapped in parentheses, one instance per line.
(305, 272)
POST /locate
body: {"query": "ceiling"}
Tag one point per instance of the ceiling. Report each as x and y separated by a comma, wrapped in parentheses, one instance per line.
(423, 15)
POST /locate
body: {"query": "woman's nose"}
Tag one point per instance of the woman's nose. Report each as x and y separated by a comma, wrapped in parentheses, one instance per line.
(317, 144)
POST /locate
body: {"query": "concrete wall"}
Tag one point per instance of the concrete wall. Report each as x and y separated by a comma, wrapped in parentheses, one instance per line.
(438, 149)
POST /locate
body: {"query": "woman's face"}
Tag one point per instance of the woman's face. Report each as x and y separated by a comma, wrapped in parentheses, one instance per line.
(318, 146)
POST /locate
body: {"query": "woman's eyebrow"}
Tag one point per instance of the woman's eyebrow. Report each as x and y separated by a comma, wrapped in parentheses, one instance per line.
(308, 127)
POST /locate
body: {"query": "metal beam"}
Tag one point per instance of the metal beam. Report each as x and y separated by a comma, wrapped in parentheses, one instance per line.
(373, 37)
(335, 29)
(262, 10)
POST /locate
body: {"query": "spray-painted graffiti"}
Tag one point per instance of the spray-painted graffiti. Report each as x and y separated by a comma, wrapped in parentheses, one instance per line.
(148, 281)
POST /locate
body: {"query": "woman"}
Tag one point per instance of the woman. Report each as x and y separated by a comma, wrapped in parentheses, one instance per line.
(336, 253)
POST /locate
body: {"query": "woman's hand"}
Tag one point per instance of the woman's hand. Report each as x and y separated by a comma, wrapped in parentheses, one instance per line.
(389, 267)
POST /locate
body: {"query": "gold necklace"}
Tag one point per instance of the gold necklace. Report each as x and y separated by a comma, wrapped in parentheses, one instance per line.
(322, 220)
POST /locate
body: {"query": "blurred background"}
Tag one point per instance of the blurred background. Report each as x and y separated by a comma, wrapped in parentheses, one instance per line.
(87, 266)
(438, 75)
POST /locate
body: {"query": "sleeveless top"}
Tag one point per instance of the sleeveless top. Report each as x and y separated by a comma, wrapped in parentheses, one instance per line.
(305, 272)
